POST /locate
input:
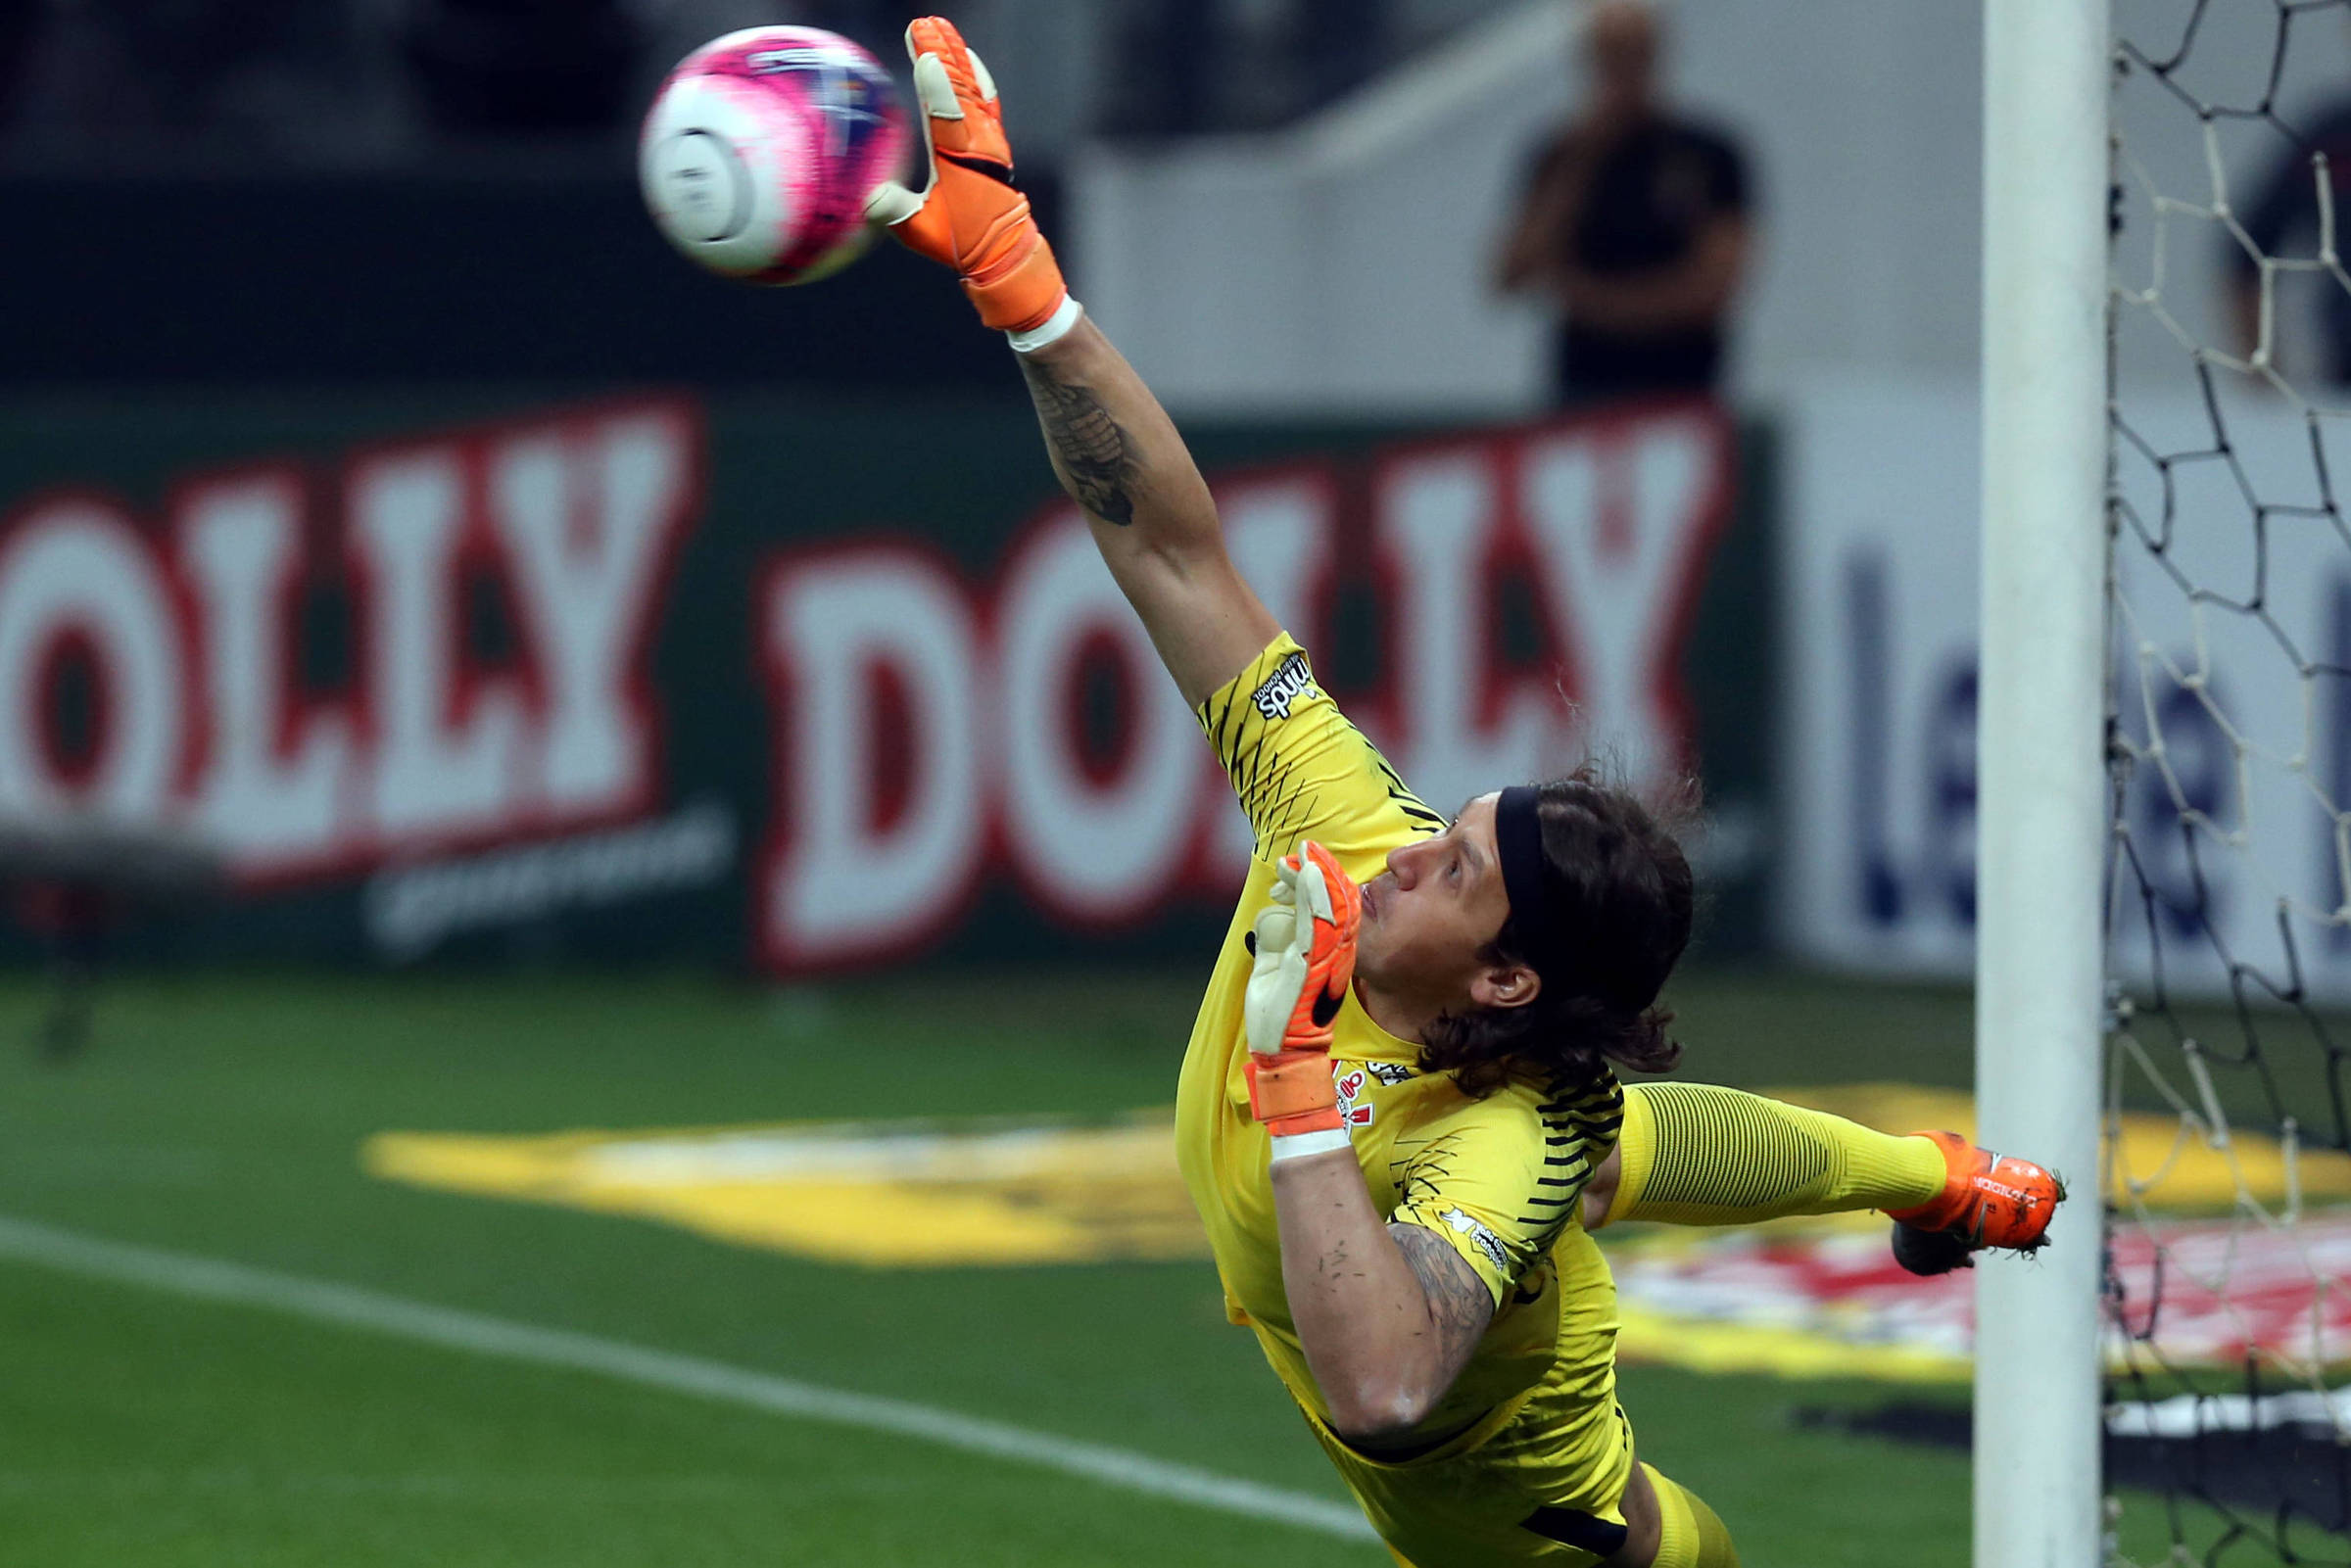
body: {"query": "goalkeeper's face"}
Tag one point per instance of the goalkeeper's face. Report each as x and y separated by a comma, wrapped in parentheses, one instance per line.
(1433, 912)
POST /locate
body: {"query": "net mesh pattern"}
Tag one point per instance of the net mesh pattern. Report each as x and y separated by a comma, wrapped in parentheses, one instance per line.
(2228, 1153)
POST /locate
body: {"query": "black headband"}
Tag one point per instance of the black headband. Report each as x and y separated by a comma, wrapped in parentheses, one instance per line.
(1519, 842)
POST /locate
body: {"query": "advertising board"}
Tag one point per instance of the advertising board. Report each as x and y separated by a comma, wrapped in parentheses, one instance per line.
(804, 686)
(2231, 647)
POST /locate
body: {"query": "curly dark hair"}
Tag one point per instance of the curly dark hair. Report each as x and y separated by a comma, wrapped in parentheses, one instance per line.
(1622, 896)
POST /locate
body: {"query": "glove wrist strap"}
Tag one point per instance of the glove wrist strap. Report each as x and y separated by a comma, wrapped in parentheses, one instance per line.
(1306, 1144)
(1053, 329)
(1292, 1091)
(1018, 290)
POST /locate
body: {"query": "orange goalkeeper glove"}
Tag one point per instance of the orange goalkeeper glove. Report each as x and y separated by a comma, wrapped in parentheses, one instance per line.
(970, 215)
(1303, 963)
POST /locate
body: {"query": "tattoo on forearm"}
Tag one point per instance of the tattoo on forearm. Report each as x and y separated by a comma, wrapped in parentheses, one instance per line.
(1460, 1306)
(1087, 444)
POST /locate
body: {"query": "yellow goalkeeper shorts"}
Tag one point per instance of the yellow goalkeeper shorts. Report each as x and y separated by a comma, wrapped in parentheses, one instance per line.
(1522, 1486)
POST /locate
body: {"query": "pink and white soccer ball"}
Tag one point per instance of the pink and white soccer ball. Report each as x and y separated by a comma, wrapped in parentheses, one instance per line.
(760, 149)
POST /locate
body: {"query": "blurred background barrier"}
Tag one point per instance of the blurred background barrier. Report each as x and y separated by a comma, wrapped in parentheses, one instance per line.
(661, 676)
(542, 270)
(333, 315)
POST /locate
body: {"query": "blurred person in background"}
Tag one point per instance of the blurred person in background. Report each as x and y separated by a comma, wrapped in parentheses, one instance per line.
(2281, 220)
(1634, 224)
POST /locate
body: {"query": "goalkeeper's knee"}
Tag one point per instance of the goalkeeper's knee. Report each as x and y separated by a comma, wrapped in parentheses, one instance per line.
(1690, 1535)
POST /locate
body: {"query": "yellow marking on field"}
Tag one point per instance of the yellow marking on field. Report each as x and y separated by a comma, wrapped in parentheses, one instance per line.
(902, 1195)
(975, 1192)
(1703, 1345)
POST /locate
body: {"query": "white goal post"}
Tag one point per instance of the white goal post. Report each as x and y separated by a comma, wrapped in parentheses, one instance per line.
(2040, 803)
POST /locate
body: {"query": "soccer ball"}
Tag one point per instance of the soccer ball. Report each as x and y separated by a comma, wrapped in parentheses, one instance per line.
(760, 149)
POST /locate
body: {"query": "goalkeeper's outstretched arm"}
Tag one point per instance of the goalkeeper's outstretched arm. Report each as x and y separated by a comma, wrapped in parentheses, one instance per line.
(1119, 456)
(1116, 449)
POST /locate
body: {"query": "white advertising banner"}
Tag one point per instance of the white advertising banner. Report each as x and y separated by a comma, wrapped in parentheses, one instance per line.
(2231, 664)
(925, 723)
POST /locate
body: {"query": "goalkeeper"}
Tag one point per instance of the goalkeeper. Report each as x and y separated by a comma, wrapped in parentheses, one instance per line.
(1400, 1081)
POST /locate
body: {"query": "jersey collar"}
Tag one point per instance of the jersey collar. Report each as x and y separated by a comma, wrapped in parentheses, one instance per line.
(1360, 1038)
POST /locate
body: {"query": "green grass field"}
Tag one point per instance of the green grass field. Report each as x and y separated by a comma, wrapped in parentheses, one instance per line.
(222, 1116)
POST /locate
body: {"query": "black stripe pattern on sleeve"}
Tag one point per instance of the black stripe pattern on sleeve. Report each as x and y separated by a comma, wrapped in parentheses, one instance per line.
(1265, 781)
(1426, 1167)
(1579, 1128)
(1722, 1149)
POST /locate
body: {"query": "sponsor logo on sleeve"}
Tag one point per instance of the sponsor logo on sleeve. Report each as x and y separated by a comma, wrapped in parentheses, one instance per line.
(1284, 686)
(1350, 1081)
(1485, 1239)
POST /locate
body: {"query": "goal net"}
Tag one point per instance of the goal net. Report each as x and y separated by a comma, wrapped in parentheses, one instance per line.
(2227, 1148)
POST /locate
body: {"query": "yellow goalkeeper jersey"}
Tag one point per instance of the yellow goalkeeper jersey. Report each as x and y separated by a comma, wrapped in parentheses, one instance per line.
(1498, 1178)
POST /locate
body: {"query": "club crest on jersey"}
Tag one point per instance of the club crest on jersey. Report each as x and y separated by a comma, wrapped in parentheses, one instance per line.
(1389, 1073)
(1285, 686)
(1480, 1236)
(1351, 1082)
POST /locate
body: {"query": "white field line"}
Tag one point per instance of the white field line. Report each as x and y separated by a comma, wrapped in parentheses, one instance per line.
(352, 1306)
